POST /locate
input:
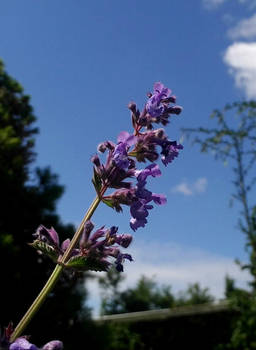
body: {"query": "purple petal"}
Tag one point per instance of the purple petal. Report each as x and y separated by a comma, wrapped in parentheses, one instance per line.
(113, 230)
(53, 345)
(54, 236)
(120, 156)
(22, 344)
(98, 234)
(112, 251)
(136, 223)
(139, 210)
(170, 150)
(143, 193)
(175, 110)
(159, 199)
(119, 261)
(125, 137)
(150, 170)
(65, 244)
(160, 89)
(124, 240)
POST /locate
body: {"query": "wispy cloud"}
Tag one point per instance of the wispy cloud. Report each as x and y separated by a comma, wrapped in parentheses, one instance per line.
(190, 189)
(241, 59)
(177, 266)
(212, 4)
(245, 29)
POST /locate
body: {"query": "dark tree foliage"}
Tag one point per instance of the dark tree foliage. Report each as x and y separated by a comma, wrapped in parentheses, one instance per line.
(233, 139)
(28, 199)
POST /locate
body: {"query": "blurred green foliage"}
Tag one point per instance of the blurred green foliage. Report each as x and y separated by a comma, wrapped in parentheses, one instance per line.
(233, 139)
(29, 198)
(146, 295)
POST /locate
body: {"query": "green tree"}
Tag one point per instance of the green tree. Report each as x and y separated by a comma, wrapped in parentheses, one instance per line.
(233, 139)
(146, 295)
(110, 286)
(194, 295)
(29, 198)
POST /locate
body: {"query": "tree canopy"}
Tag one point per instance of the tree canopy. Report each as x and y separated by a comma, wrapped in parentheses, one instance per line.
(29, 198)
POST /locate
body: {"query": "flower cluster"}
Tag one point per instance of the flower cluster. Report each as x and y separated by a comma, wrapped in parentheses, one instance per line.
(141, 146)
(95, 251)
(22, 343)
(98, 250)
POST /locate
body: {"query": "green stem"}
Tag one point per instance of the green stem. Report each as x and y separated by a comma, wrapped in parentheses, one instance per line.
(56, 273)
(37, 303)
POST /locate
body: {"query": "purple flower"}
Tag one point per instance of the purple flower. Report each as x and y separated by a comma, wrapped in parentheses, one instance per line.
(47, 241)
(170, 150)
(155, 105)
(120, 259)
(118, 166)
(150, 170)
(49, 236)
(96, 249)
(140, 206)
(120, 155)
(22, 344)
(157, 108)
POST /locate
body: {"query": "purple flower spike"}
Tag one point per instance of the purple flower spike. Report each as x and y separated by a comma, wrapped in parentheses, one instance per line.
(22, 344)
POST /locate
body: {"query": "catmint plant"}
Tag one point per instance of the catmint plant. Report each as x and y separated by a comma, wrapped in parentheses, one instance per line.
(128, 164)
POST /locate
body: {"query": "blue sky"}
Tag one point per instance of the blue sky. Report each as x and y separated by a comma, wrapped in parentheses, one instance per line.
(82, 62)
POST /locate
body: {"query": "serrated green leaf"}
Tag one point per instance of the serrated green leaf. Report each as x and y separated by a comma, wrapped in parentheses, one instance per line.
(45, 249)
(82, 263)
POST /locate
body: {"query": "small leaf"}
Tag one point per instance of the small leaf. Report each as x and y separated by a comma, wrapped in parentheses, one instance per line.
(96, 180)
(82, 263)
(109, 202)
(45, 249)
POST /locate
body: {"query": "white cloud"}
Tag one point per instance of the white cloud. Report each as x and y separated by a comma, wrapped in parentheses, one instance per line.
(199, 186)
(241, 58)
(177, 266)
(250, 3)
(245, 29)
(211, 4)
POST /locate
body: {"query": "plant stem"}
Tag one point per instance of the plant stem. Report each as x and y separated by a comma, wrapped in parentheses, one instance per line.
(37, 303)
(56, 272)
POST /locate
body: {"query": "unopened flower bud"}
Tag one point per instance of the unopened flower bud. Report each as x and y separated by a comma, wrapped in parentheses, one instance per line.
(132, 107)
(95, 160)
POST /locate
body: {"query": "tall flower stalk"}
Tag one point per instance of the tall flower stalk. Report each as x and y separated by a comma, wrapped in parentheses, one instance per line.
(98, 250)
